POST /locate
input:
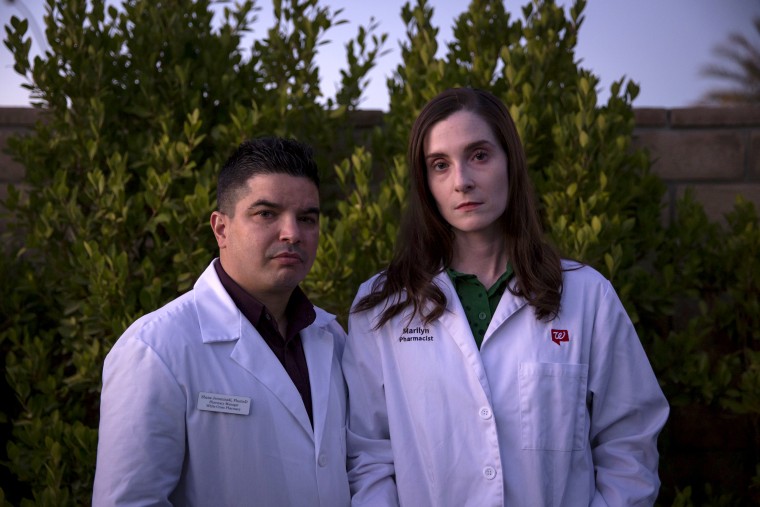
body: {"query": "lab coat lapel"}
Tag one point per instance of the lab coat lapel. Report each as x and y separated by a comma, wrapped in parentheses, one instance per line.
(221, 320)
(508, 306)
(318, 348)
(454, 321)
(254, 355)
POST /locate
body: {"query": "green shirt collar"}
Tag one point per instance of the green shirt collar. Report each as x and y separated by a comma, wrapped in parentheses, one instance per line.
(478, 302)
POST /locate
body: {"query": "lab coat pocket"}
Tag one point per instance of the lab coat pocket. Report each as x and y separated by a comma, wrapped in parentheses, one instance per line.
(552, 405)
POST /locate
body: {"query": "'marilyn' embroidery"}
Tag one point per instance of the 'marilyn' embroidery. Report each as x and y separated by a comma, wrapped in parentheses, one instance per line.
(416, 334)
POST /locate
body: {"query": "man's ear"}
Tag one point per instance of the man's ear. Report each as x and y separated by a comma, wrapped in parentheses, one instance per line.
(219, 226)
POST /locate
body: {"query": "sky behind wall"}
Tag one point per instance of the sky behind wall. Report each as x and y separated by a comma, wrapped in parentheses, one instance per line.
(660, 44)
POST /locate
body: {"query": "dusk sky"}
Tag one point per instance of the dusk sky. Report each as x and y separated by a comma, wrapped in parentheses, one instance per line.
(660, 44)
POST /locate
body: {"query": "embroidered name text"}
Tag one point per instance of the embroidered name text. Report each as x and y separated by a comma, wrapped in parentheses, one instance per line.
(416, 334)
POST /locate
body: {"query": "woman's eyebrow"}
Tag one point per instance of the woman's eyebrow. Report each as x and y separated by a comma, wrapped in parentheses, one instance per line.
(469, 147)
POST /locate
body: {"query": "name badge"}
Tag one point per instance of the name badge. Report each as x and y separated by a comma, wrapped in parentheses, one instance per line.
(224, 403)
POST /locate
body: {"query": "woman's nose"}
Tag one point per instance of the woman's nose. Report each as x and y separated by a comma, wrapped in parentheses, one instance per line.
(463, 181)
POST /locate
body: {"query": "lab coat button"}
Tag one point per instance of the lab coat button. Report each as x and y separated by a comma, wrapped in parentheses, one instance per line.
(485, 413)
(322, 460)
(482, 315)
(489, 473)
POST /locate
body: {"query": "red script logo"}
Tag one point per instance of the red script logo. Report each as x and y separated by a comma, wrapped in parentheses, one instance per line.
(560, 335)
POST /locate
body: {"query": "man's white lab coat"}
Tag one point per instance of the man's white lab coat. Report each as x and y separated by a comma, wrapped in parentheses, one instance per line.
(197, 410)
(560, 413)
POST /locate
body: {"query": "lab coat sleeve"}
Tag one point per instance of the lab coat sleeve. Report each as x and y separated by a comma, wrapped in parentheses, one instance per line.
(627, 413)
(141, 440)
(371, 472)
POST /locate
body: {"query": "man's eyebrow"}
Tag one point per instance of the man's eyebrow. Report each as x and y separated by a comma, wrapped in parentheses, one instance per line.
(263, 203)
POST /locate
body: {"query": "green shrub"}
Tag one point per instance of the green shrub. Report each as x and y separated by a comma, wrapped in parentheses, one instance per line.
(142, 104)
(121, 172)
(707, 356)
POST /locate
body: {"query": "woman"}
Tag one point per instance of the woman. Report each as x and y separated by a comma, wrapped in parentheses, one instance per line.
(482, 369)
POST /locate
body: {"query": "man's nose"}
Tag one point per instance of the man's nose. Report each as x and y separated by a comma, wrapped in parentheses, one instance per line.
(290, 229)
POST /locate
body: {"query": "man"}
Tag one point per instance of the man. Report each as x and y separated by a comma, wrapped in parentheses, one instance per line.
(232, 394)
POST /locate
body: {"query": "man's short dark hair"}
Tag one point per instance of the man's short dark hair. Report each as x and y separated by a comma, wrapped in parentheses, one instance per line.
(263, 155)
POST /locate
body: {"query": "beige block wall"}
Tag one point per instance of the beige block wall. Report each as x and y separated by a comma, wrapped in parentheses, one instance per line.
(714, 151)
(13, 121)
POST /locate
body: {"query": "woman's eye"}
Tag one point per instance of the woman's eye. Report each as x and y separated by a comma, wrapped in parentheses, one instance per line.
(481, 155)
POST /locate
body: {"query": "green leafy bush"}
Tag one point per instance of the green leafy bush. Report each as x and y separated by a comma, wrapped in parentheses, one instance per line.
(706, 357)
(142, 104)
(121, 174)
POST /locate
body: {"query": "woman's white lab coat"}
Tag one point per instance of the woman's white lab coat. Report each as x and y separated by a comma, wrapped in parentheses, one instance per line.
(564, 413)
(197, 410)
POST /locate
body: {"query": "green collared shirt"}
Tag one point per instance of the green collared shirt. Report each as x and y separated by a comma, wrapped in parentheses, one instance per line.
(479, 303)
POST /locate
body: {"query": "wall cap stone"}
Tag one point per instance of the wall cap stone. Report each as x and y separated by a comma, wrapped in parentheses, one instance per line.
(650, 117)
(366, 118)
(19, 116)
(705, 116)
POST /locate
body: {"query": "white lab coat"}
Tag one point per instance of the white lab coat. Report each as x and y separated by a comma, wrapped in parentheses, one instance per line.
(531, 419)
(157, 447)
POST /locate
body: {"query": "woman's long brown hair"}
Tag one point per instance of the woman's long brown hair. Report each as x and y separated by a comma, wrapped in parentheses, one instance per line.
(425, 240)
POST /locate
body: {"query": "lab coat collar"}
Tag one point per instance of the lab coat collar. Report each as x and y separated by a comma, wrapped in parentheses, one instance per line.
(220, 320)
(454, 315)
(219, 317)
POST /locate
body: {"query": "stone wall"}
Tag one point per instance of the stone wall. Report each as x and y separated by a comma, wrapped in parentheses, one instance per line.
(13, 120)
(715, 151)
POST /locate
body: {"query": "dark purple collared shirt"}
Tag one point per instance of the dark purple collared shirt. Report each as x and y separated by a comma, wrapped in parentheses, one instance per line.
(289, 350)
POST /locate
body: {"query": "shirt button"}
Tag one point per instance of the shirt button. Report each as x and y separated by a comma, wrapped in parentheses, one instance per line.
(489, 473)
(482, 316)
(485, 413)
(322, 460)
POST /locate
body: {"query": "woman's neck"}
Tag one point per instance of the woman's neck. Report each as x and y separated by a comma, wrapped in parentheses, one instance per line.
(485, 258)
